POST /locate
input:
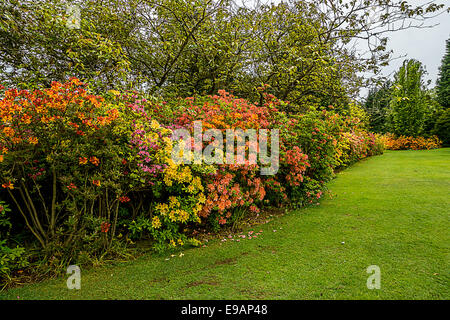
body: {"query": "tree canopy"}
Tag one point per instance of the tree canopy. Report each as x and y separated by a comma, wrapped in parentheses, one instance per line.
(301, 49)
(443, 82)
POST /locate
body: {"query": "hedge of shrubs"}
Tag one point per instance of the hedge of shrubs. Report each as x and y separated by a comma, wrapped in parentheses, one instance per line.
(392, 142)
(82, 172)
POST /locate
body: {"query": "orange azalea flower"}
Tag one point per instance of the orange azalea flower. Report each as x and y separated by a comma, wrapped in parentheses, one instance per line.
(96, 183)
(94, 161)
(1, 158)
(8, 185)
(102, 120)
(16, 140)
(75, 81)
(33, 140)
(82, 160)
(113, 114)
(26, 119)
(8, 131)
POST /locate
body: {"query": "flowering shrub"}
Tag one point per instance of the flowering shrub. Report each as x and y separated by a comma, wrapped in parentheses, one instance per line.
(391, 142)
(71, 159)
(57, 146)
(81, 168)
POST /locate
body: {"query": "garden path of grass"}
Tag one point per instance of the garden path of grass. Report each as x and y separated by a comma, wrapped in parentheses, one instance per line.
(391, 210)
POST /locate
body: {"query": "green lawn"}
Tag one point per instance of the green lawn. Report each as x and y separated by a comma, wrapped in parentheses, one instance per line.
(391, 210)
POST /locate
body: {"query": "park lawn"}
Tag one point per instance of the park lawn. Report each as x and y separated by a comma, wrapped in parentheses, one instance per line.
(392, 211)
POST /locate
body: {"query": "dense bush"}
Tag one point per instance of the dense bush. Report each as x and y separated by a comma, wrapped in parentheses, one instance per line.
(70, 160)
(12, 257)
(392, 142)
(84, 170)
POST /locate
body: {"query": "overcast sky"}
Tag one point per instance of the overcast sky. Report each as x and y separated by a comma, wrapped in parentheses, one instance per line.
(426, 45)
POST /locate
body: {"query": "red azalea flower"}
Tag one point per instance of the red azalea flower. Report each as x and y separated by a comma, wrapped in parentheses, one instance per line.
(124, 199)
(105, 227)
(71, 186)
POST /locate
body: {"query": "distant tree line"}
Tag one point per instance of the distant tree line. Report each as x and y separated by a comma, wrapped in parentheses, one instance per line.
(406, 106)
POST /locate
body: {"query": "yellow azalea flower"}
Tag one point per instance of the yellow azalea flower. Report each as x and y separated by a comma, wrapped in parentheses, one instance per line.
(167, 182)
(183, 216)
(168, 142)
(173, 243)
(163, 208)
(197, 208)
(186, 174)
(114, 92)
(191, 188)
(173, 202)
(166, 131)
(180, 242)
(201, 198)
(173, 215)
(156, 223)
(197, 182)
(154, 124)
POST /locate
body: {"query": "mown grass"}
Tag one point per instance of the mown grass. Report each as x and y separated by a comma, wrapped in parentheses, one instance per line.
(391, 210)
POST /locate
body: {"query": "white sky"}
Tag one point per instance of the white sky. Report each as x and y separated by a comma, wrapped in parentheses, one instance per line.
(426, 45)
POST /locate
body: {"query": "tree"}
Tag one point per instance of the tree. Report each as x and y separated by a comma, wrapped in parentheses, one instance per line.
(408, 108)
(433, 112)
(302, 49)
(443, 82)
(38, 47)
(442, 127)
(377, 106)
